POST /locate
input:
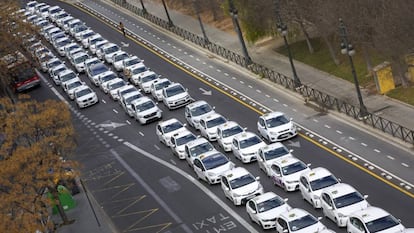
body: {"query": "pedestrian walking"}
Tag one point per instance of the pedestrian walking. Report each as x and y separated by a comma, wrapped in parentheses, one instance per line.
(121, 26)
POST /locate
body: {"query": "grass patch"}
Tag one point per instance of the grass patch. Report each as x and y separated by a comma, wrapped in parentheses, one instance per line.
(322, 60)
(405, 95)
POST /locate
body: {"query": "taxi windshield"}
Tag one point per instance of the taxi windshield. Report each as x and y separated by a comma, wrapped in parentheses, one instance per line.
(381, 224)
(145, 106)
(200, 149)
(172, 127)
(111, 49)
(120, 57)
(184, 139)
(215, 122)
(67, 77)
(269, 204)
(302, 222)
(249, 142)
(81, 59)
(132, 62)
(74, 85)
(293, 168)
(133, 97)
(175, 90)
(83, 92)
(200, 110)
(276, 121)
(232, 131)
(275, 153)
(149, 78)
(348, 199)
(214, 161)
(139, 70)
(108, 77)
(242, 181)
(161, 85)
(116, 85)
(323, 182)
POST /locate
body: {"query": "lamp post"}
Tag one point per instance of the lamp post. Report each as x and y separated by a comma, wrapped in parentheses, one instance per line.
(233, 13)
(197, 10)
(282, 28)
(347, 48)
(170, 22)
(144, 10)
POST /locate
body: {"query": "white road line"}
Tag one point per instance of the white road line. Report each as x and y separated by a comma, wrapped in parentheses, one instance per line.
(157, 147)
(250, 86)
(103, 101)
(327, 126)
(363, 144)
(115, 111)
(258, 91)
(241, 82)
(127, 121)
(173, 162)
(353, 139)
(141, 133)
(376, 150)
(234, 78)
(276, 100)
(340, 132)
(268, 96)
(405, 165)
(226, 74)
(206, 190)
(315, 120)
(390, 157)
(285, 105)
(218, 70)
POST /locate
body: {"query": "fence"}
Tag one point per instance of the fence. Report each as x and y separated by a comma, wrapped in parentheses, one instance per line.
(322, 99)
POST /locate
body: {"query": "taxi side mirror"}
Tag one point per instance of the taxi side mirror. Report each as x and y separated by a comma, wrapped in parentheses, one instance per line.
(365, 196)
(257, 177)
(319, 218)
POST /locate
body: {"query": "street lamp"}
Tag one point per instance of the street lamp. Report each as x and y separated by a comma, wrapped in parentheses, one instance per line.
(347, 48)
(170, 22)
(144, 10)
(233, 13)
(197, 10)
(282, 28)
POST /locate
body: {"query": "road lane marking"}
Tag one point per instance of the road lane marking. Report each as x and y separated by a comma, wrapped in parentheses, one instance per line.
(115, 111)
(390, 157)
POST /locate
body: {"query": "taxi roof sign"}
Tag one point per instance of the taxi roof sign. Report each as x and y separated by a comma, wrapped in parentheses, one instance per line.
(292, 215)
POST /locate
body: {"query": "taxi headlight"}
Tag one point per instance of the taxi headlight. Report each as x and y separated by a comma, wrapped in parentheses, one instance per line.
(237, 195)
(273, 133)
(211, 173)
(290, 181)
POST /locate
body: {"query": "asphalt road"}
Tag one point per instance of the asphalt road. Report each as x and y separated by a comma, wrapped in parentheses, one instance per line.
(132, 204)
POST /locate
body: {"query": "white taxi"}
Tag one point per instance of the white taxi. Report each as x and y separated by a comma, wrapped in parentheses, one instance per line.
(145, 79)
(286, 172)
(211, 166)
(131, 61)
(70, 86)
(178, 142)
(312, 183)
(102, 79)
(157, 86)
(165, 129)
(340, 200)
(298, 221)
(246, 146)
(226, 133)
(107, 51)
(85, 96)
(270, 153)
(195, 111)
(240, 186)
(264, 209)
(175, 96)
(276, 127)
(132, 72)
(145, 110)
(195, 148)
(118, 58)
(374, 219)
(126, 100)
(209, 125)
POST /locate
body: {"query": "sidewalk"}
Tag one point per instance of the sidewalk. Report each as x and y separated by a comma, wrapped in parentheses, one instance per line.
(88, 216)
(384, 106)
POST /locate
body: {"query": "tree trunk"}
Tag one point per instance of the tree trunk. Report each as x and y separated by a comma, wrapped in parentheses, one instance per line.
(367, 59)
(331, 50)
(307, 38)
(400, 70)
(59, 206)
(213, 9)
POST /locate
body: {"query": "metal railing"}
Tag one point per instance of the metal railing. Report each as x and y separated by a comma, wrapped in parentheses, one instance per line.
(321, 98)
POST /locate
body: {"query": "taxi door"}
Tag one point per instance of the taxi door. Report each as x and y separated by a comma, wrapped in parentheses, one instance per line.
(276, 175)
(199, 169)
(305, 189)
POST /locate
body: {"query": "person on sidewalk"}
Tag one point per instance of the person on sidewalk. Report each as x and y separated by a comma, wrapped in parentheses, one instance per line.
(121, 26)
